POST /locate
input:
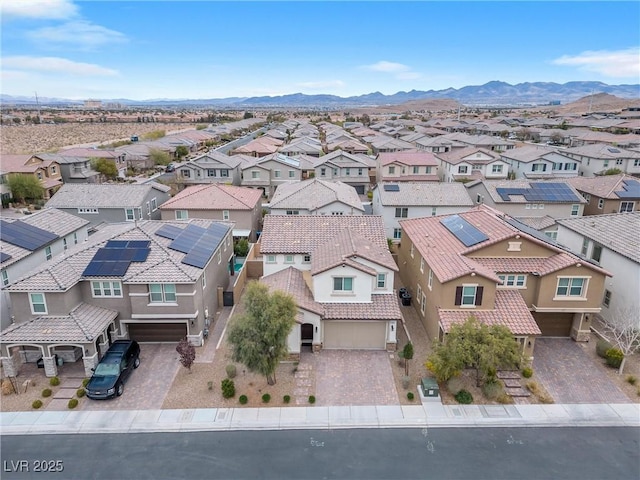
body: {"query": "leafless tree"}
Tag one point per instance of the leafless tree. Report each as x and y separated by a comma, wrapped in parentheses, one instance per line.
(623, 330)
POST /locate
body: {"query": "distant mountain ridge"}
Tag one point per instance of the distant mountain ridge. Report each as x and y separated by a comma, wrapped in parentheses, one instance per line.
(491, 93)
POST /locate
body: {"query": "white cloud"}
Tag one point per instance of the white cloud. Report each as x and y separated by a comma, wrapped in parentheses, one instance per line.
(387, 67)
(616, 64)
(56, 65)
(42, 9)
(322, 85)
(82, 34)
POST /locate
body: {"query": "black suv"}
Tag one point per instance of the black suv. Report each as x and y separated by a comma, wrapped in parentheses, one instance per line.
(113, 370)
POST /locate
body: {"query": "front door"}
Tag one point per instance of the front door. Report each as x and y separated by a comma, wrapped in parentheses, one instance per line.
(306, 334)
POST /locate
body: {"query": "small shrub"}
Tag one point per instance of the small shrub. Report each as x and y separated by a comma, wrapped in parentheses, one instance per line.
(231, 370)
(405, 381)
(410, 396)
(504, 399)
(631, 380)
(312, 399)
(73, 403)
(533, 387)
(601, 348)
(54, 381)
(286, 399)
(464, 397)
(228, 388)
(527, 372)
(614, 357)
(80, 392)
(454, 385)
(85, 382)
(36, 404)
(46, 392)
(491, 390)
(266, 398)
(243, 399)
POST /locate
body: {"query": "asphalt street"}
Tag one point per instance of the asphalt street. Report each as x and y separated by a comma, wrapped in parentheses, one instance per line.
(554, 453)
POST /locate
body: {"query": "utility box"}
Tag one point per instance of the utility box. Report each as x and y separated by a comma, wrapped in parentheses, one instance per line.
(430, 388)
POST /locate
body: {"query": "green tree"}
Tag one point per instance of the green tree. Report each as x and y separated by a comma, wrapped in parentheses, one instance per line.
(474, 345)
(105, 166)
(407, 354)
(187, 353)
(247, 115)
(613, 171)
(241, 248)
(25, 187)
(159, 157)
(181, 151)
(259, 336)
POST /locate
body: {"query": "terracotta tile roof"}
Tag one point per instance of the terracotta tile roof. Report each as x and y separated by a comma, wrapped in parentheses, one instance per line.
(83, 324)
(603, 186)
(510, 310)
(291, 281)
(16, 163)
(214, 196)
(425, 194)
(382, 307)
(303, 233)
(541, 266)
(408, 157)
(314, 194)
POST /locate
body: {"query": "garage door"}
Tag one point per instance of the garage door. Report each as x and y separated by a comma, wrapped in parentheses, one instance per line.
(355, 335)
(554, 324)
(157, 332)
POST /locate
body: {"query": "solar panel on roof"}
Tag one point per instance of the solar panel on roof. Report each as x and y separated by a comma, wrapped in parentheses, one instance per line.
(4, 257)
(114, 259)
(116, 244)
(25, 236)
(140, 255)
(541, 192)
(631, 189)
(391, 188)
(169, 231)
(463, 230)
(198, 243)
(613, 150)
(139, 244)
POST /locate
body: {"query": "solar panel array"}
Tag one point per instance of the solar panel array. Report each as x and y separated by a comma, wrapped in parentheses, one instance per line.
(463, 230)
(631, 189)
(4, 257)
(541, 192)
(114, 258)
(391, 188)
(199, 243)
(25, 236)
(169, 231)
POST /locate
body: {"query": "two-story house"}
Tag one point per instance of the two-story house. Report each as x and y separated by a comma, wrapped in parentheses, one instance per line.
(242, 206)
(212, 167)
(260, 147)
(46, 171)
(485, 264)
(316, 197)
(270, 171)
(111, 202)
(151, 281)
(402, 200)
(471, 163)
(597, 158)
(341, 274)
(608, 193)
(539, 162)
(611, 241)
(352, 169)
(407, 166)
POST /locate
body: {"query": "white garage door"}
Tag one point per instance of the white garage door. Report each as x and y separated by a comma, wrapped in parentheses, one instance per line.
(355, 335)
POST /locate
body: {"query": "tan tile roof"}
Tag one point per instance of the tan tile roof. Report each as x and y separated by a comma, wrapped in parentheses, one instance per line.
(105, 195)
(16, 163)
(538, 223)
(214, 196)
(426, 194)
(382, 307)
(459, 155)
(510, 310)
(83, 324)
(604, 186)
(303, 233)
(291, 281)
(408, 157)
(314, 194)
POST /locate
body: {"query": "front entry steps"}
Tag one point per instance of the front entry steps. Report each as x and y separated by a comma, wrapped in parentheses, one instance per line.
(512, 383)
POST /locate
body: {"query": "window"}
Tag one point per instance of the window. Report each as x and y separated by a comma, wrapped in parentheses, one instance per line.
(219, 257)
(626, 206)
(337, 213)
(271, 259)
(38, 303)
(392, 170)
(606, 301)
(434, 211)
(575, 210)
(585, 246)
(53, 169)
(162, 292)
(224, 172)
(382, 280)
(64, 243)
(605, 163)
(539, 167)
(463, 169)
(306, 259)
(204, 280)
(323, 172)
(106, 289)
(75, 238)
(596, 253)
(343, 284)
(93, 211)
(288, 259)
(412, 251)
(293, 212)
(552, 234)
(423, 303)
(154, 204)
(211, 172)
(636, 163)
(512, 280)
(402, 212)
(335, 172)
(185, 173)
(571, 287)
(496, 169)
(277, 173)
(255, 174)
(601, 203)
(476, 167)
(5, 278)
(39, 174)
(469, 295)
(570, 166)
(292, 174)
(347, 171)
(182, 215)
(422, 265)
(148, 209)
(225, 215)
(397, 233)
(419, 290)
(619, 161)
(427, 170)
(430, 281)
(47, 253)
(478, 198)
(360, 172)
(416, 170)
(557, 166)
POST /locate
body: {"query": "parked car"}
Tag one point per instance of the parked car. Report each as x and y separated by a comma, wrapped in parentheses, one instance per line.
(113, 370)
(170, 168)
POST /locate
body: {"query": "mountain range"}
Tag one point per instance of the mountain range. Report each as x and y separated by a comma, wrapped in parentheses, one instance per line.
(491, 93)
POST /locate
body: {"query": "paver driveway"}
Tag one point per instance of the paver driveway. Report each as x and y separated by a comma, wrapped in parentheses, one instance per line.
(570, 376)
(353, 377)
(148, 384)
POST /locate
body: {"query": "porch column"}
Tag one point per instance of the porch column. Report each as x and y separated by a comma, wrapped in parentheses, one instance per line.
(50, 367)
(9, 366)
(104, 345)
(89, 361)
(581, 327)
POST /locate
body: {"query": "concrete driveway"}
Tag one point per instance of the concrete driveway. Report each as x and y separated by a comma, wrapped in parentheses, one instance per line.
(353, 377)
(570, 376)
(148, 384)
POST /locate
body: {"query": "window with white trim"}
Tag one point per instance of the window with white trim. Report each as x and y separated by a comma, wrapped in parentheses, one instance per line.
(347, 171)
(571, 287)
(382, 280)
(343, 284)
(182, 214)
(292, 174)
(359, 172)
(154, 204)
(38, 303)
(463, 169)
(606, 300)
(277, 173)
(219, 257)
(271, 259)
(585, 246)
(430, 280)
(469, 295)
(418, 290)
(552, 234)
(224, 172)
(293, 212)
(416, 170)
(513, 280)
(225, 215)
(392, 169)
(626, 206)
(601, 203)
(421, 265)
(496, 169)
(323, 172)
(596, 252)
(255, 174)
(5, 278)
(397, 233)
(412, 251)
(211, 172)
(106, 289)
(148, 209)
(288, 259)
(129, 214)
(539, 167)
(434, 211)
(162, 293)
(47, 253)
(402, 212)
(423, 303)
(575, 210)
(75, 238)
(306, 259)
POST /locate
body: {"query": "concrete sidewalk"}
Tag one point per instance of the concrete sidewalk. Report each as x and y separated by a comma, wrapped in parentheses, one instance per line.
(384, 416)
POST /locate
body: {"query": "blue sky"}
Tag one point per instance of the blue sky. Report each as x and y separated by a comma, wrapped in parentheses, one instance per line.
(212, 49)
